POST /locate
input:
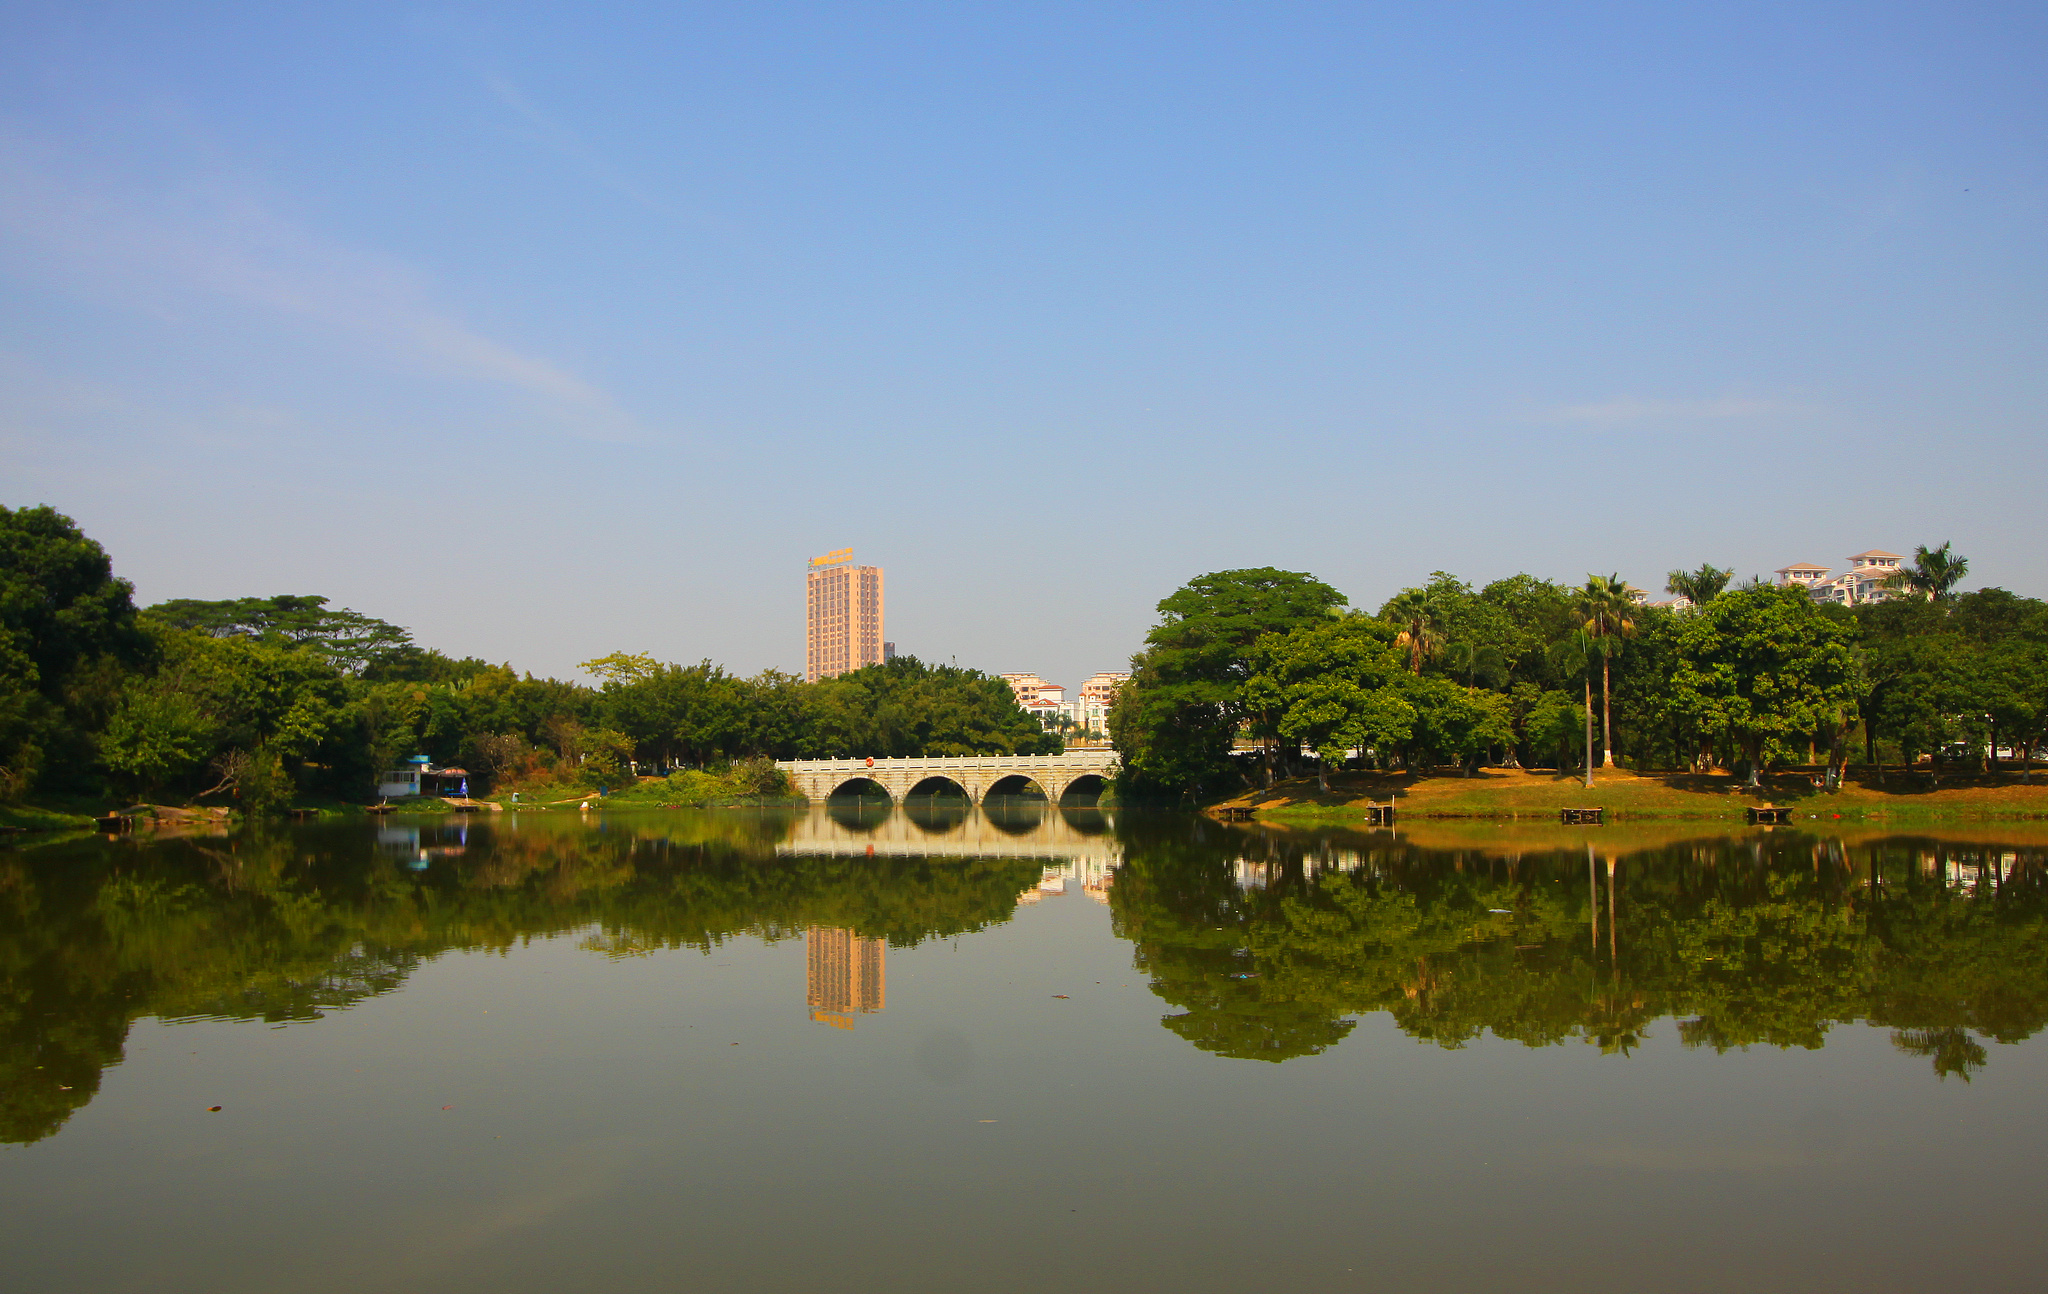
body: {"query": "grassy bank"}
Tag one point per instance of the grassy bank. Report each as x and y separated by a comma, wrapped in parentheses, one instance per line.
(33, 817)
(688, 790)
(1519, 793)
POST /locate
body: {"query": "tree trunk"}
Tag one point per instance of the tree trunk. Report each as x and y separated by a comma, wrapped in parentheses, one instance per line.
(1589, 729)
(1322, 774)
(1606, 718)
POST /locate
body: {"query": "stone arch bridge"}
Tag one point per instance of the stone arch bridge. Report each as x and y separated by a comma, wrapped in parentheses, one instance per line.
(975, 776)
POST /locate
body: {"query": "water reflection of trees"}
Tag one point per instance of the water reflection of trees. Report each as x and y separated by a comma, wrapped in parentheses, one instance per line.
(1268, 945)
(1272, 945)
(288, 925)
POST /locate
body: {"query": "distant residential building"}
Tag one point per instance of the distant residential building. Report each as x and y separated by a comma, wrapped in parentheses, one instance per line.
(1084, 716)
(1806, 573)
(1863, 582)
(1027, 687)
(888, 652)
(842, 615)
(1102, 687)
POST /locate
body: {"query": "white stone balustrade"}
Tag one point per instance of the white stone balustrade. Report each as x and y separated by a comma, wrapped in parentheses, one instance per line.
(973, 775)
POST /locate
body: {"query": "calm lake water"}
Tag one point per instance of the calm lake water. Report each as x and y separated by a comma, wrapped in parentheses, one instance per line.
(1031, 1051)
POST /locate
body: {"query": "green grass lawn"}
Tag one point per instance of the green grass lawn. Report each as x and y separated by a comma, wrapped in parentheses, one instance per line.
(1505, 793)
(31, 817)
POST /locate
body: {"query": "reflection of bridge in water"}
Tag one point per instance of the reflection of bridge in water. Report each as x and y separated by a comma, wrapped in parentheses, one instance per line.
(1043, 832)
(974, 777)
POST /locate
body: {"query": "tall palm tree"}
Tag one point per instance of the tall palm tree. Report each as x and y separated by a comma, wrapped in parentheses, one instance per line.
(1698, 587)
(1422, 621)
(1933, 574)
(1608, 614)
(1573, 654)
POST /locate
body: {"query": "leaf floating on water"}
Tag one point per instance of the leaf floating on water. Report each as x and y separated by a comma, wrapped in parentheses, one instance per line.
(447, 1107)
(213, 1109)
(1059, 995)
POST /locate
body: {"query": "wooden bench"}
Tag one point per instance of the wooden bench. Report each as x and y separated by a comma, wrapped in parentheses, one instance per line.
(1379, 815)
(1583, 817)
(1235, 812)
(1766, 815)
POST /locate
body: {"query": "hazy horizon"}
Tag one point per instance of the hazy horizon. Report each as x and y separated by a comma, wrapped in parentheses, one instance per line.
(551, 334)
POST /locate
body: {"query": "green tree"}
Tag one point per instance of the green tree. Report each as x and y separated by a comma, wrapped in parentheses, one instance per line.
(1608, 614)
(1573, 655)
(1422, 618)
(1698, 587)
(62, 613)
(1555, 723)
(1933, 575)
(351, 641)
(155, 735)
(1332, 685)
(1174, 722)
(1454, 722)
(1763, 666)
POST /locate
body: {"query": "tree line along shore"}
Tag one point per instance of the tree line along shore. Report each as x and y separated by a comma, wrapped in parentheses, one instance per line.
(1262, 688)
(1256, 686)
(263, 703)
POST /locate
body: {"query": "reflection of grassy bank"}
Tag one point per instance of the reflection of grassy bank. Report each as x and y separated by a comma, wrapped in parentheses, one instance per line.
(1517, 793)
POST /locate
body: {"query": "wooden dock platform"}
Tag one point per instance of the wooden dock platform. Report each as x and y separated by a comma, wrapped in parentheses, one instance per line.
(1767, 815)
(1583, 817)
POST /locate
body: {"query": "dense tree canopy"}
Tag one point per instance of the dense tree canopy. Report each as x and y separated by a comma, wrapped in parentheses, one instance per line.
(66, 626)
(1175, 721)
(1525, 671)
(261, 699)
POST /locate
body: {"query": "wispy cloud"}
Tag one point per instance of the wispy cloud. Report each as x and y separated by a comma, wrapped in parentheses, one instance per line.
(552, 134)
(1630, 409)
(213, 233)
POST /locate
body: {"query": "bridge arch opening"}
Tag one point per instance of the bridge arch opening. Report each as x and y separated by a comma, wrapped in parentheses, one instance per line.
(859, 788)
(937, 788)
(1085, 789)
(1015, 787)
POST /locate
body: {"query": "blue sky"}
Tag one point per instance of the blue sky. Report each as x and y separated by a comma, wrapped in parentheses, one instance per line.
(550, 331)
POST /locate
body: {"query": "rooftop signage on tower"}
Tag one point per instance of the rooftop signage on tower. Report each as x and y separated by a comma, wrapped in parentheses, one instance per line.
(832, 558)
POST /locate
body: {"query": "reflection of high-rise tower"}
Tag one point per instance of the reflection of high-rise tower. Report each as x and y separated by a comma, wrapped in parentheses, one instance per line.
(844, 975)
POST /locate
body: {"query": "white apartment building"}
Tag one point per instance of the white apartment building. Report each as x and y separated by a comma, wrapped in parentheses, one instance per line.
(1863, 582)
(1028, 686)
(1102, 687)
(1086, 715)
